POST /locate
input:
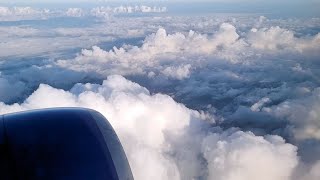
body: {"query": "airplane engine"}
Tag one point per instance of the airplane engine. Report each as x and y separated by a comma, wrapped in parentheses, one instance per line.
(60, 143)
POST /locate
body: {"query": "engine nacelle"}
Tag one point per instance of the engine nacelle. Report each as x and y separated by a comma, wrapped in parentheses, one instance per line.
(60, 144)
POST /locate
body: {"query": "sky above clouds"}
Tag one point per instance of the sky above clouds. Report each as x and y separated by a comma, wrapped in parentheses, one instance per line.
(196, 95)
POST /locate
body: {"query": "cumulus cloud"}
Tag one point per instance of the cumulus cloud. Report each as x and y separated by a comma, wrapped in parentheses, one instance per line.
(155, 127)
(19, 13)
(74, 12)
(172, 55)
(156, 49)
(276, 38)
(241, 156)
(106, 11)
(180, 72)
(303, 113)
(271, 39)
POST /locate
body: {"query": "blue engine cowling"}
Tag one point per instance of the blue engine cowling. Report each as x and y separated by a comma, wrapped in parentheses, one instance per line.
(60, 143)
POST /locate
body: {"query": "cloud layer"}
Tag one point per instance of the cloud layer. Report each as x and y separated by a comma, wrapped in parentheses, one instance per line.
(165, 132)
(30, 13)
(203, 97)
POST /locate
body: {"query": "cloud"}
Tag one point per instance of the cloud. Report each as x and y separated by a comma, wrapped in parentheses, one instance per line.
(106, 11)
(19, 13)
(179, 73)
(165, 132)
(74, 12)
(313, 173)
(303, 113)
(276, 38)
(234, 157)
(252, 82)
(172, 55)
(156, 49)
(10, 89)
(29, 13)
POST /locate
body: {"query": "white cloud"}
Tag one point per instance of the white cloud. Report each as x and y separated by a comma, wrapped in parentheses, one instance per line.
(28, 13)
(17, 11)
(303, 113)
(74, 12)
(157, 48)
(276, 38)
(157, 132)
(242, 156)
(21, 13)
(271, 39)
(180, 72)
(108, 11)
(173, 54)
